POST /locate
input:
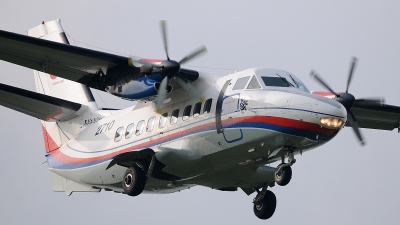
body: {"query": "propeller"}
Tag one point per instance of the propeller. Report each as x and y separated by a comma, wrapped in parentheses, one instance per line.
(169, 68)
(348, 100)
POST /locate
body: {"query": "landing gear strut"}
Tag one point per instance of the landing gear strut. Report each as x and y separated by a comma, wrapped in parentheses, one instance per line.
(134, 181)
(283, 173)
(264, 203)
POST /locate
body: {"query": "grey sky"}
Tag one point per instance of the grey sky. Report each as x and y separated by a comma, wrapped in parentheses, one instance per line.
(339, 183)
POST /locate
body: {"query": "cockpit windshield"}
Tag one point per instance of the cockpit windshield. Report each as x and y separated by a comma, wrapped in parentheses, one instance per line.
(284, 81)
(276, 82)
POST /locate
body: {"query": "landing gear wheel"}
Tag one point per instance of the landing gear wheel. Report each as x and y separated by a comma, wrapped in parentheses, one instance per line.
(134, 181)
(266, 208)
(284, 176)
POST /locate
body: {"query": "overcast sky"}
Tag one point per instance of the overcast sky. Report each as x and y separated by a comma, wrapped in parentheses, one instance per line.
(338, 183)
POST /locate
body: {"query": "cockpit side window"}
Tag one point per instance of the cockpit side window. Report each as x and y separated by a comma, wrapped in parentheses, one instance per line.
(241, 83)
(300, 85)
(276, 81)
(254, 84)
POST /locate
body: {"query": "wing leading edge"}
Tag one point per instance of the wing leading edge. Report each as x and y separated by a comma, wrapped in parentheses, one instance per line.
(38, 105)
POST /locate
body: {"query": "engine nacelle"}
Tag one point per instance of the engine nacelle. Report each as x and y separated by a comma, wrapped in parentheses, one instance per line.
(142, 88)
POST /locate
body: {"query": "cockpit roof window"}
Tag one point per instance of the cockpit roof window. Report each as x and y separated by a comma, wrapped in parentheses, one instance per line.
(276, 81)
(241, 83)
(254, 83)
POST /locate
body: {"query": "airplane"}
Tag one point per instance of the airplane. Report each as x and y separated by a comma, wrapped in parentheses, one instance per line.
(188, 128)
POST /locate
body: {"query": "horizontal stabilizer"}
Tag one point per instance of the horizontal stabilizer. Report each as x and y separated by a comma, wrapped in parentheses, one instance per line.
(38, 105)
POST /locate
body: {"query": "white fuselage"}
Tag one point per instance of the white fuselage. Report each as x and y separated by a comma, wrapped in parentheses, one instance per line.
(244, 128)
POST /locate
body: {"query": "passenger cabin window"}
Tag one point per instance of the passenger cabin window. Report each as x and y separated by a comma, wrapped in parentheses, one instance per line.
(197, 109)
(118, 134)
(129, 130)
(207, 106)
(163, 120)
(139, 127)
(174, 116)
(150, 124)
(186, 112)
(254, 84)
(241, 83)
(276, 81)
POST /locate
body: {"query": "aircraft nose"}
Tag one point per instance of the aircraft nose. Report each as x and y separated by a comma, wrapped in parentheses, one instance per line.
(331, 114)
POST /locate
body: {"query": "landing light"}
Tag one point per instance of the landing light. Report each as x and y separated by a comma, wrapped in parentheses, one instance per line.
(331, 122)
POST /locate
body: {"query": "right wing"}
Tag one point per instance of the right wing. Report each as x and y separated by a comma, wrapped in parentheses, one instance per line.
(41, 106)
(92, 68)
(384, 117)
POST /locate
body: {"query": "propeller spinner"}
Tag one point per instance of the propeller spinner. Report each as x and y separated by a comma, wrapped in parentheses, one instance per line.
(348, 100)
(170, 68)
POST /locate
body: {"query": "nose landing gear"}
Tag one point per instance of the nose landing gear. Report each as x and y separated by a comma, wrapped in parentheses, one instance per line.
(283, 173)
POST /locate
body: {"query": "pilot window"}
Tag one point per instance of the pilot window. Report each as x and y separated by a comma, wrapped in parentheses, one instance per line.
(275, 81)
(139, 127)
(129, 130)
(196, 110)
(163, 120)
(174, 116)
(207, 106)
(186, 112)
(241, 83)
(254, 83)
(150, 124)
(118, 134)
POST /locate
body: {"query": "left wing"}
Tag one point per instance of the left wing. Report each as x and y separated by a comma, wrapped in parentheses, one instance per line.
(38, 105)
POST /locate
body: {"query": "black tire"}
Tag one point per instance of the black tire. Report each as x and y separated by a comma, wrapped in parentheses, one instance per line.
(266, 208)
(284, 177)
(134, 181)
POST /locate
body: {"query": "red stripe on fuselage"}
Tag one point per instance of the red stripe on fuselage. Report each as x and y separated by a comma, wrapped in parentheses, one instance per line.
(59, 155)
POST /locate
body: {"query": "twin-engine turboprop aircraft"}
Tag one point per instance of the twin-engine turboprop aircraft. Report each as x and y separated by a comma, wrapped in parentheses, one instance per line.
(188, 128)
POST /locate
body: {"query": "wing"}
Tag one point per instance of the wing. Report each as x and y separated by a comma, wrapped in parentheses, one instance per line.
(92, 68)
(41, 106)
(384, 117)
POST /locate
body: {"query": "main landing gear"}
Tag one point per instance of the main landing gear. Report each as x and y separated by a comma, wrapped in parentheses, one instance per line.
(265, 201)
(134, 181)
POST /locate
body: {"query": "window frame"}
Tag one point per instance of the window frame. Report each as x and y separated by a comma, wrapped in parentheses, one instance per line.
(140, 131)
(120, 132)
(174, 118)
(207, 106)
(197, 107)
(163, 120)
(186, 112)
(150, 127)
(129, 134)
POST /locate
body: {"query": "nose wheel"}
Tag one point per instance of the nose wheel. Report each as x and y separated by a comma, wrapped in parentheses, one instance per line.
(134, 181)
(283, 173)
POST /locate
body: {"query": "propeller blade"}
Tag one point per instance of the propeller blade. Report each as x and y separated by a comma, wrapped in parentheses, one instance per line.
(370, 102)
(353, 65)
(314, 75)
(193, 55)
(188, 88)
(354, 124)
(163, 24)
(162, 94)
